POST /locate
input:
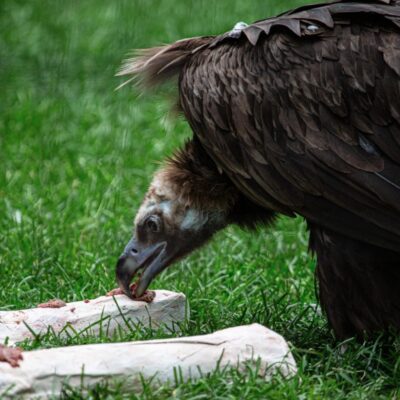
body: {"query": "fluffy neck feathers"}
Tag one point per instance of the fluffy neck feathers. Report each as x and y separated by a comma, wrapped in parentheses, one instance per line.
(191, 181)
(193, 178)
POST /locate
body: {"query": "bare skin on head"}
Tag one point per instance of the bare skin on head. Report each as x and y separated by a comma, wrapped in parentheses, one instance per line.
(188, 201)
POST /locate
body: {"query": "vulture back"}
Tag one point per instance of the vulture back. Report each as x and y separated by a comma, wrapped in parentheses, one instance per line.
(301, 111)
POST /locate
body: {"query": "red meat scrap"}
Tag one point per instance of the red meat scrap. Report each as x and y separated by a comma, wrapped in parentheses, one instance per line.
(115, 292)
(55, 303)
(148, 296)
(11, 355)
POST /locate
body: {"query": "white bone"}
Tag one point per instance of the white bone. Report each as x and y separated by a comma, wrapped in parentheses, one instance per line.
(43, 372)
(101, 315)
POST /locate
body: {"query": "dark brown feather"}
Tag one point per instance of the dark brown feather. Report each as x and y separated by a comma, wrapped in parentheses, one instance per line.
(158, 64)
(357, 284)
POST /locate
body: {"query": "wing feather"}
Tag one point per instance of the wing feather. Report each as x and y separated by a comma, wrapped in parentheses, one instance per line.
(308, 123)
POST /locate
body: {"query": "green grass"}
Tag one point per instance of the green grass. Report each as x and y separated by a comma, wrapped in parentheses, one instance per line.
(76, 158)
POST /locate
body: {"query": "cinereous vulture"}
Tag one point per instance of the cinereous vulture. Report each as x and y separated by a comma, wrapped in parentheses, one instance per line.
(294, 115)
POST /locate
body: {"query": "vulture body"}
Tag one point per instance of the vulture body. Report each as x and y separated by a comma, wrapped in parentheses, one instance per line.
(299, 114)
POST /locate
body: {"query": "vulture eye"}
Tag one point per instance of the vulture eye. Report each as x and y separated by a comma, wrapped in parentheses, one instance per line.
(153, 223)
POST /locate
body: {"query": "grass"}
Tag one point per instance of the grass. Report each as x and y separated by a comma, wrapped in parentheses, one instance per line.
(76, 158)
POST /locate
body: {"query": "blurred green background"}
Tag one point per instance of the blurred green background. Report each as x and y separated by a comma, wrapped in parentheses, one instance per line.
(76, 157)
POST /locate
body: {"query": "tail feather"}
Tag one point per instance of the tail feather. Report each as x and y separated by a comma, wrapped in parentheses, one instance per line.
(152, 67)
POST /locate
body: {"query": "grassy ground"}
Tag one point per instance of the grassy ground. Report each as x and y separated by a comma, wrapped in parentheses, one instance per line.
(76, 158)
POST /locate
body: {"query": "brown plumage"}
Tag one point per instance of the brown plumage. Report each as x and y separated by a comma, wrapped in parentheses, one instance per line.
(300, 114)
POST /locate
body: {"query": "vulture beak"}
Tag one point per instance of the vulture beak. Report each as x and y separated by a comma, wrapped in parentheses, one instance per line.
(152, 260)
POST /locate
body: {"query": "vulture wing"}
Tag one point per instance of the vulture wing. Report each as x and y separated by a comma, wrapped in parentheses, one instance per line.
(302, 111)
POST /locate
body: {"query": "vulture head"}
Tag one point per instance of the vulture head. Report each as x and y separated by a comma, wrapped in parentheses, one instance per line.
(188, 201)
(175, 217)
(167, 227)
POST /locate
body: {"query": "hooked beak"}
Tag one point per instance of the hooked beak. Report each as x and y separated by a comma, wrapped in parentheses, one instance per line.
(152, 260)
